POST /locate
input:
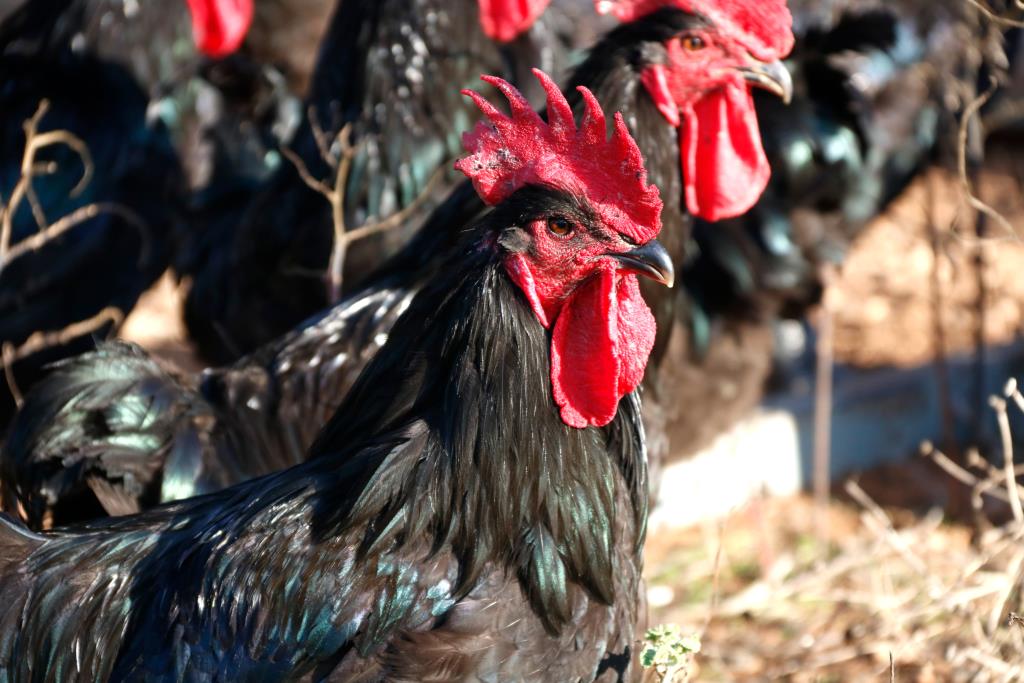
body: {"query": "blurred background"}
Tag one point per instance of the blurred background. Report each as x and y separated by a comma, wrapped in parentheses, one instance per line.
(839, 485)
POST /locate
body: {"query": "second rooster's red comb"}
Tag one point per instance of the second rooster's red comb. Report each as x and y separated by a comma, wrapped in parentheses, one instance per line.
(764, 27)
(508, 152)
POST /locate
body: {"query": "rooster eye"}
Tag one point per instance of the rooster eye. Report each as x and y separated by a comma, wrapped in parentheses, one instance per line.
(559, 226)
(692, 43)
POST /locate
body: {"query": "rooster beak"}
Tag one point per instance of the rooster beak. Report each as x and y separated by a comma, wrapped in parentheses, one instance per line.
(651, 260)
(772, 76)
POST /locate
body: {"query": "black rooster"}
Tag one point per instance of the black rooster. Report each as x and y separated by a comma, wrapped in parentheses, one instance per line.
(476, 511)
(869, 104)
(145, 437)
(378, 72)
(133, 82)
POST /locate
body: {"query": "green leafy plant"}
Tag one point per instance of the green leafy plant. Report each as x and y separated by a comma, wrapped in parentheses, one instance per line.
(668, 653)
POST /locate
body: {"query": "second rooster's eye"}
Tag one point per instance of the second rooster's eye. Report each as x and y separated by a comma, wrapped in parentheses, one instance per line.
(559, 226)
(692, 43)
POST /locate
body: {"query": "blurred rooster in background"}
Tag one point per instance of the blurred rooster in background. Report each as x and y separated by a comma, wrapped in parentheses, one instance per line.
(115, 428)
(143, 87)
(396, 552)
(873, 87)
(257, 275)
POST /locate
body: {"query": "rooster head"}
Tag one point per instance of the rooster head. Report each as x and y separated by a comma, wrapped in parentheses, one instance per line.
(504, 20)
(702, 84)
(219, 26)
(584, 230)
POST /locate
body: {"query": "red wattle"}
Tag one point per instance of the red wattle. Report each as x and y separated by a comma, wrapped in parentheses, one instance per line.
(599, 347)
(504, 20)
(220, 26)
(725, 168)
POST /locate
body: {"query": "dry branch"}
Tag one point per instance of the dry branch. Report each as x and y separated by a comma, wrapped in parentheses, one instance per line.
(47, 339)
(969, 119)
(1005, 22)
(24, 191)
(824, 368)
(30, 169)
(39, 341)
(334, 193)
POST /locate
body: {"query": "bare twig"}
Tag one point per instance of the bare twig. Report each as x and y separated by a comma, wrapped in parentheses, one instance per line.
(44, 340)
(23, 189)
(823, 401)
(76, 218)
(966, 122)
(320, 137)
(891, 536)
(995, 18)
(7, 355)
(941, 362)
(303, 170)
(341, 164)
(951, 468)
(1012, 392)
(999, 405)
(716, 573)
(1014, 573)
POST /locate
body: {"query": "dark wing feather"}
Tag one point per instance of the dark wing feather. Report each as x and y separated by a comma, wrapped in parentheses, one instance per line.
(104, 422)
(113, 423)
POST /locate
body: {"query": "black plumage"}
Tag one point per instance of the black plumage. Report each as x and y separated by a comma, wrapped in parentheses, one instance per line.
(174, 437)
(715, 348)
(871, 103)
(224, 115)
(396, 552)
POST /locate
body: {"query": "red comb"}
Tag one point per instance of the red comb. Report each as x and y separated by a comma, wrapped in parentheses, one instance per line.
(509, 152)
(763, 27)
(220, 26)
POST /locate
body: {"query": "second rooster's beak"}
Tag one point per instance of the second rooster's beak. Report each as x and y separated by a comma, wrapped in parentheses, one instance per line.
(651, 260)
(771, 76)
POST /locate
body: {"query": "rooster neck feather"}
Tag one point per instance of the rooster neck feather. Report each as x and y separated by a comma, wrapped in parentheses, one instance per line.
(501, 475)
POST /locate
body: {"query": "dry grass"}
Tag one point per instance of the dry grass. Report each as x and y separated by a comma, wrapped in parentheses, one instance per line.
(942, 599)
